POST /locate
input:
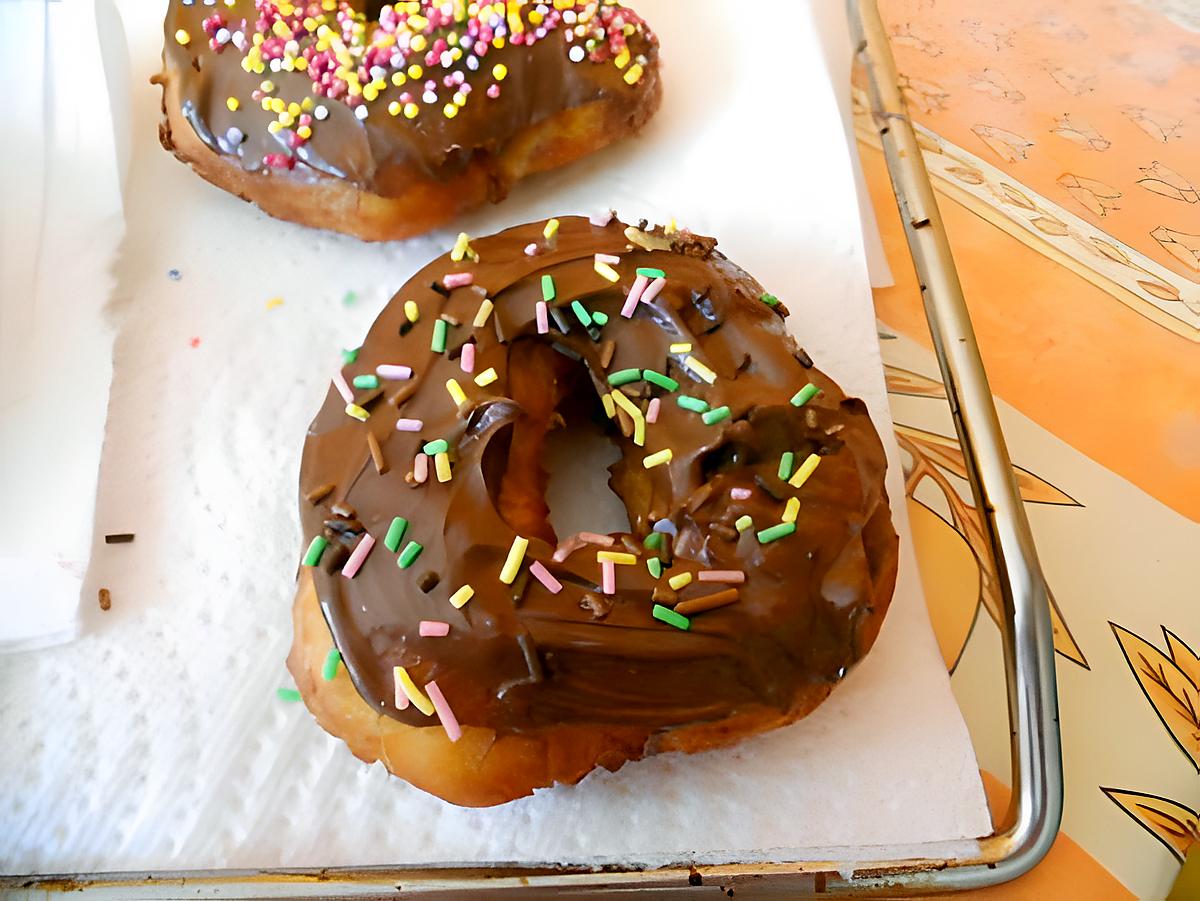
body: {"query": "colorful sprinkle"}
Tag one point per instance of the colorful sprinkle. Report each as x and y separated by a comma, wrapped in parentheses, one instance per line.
(350, 355)
(712, 417)
(806, 469)
(409, 555)
(358, 555)
(653, 289)
(786, 463)
(393, 373)
(460, 597)
(769, 299)
(654, 565)
(409, 425)
(339, 382)
(740, 494)
(775, 532)
(441, 465)
(635, 294)
(633, 74)
(600, 318)
(315, 549)
(445, 714)
(182, 37)
(395, 534)
(729, 576)
(679, 580)
(454, 389)
(512, 563)
(624, 377)
(438, 446)
(550, 230)
(639, 421)
(438, 343)
(618, 557)
(611, 258)
(433, 628)
(602, 218)
(401, 699)
(791, 509)
(481, 316)
(653, 541)
(420, 469)
(657, 378)
(486, 377)
(409, 687)
(412, 312)
(655, 459)
(367, 382)
(543, 575)
(652, 410)
(357, 412)
(543, 320)
(804, 395)
(610, 409)
(608, 577)
(330, 667)
(670, 617)
(650, 272)
(531, 250)
(232, 104)
(607, 271)
(458, 279)
(683, 347)
(699, 368)
(548, 290)
(744, 522)
(695, 404)
(581, 314)
(466, 360)
(287, 694)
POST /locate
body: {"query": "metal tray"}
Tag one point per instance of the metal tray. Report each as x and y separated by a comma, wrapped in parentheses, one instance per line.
(1028, 827)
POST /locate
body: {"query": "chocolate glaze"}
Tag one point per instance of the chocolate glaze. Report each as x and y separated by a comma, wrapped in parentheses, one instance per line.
(518, 657)
(383, 153)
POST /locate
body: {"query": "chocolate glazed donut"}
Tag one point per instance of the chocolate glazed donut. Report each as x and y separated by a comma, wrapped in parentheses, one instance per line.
(386, 122)
(760, 559)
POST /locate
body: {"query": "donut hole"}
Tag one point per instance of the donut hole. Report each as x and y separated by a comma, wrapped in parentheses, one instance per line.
(577, 458)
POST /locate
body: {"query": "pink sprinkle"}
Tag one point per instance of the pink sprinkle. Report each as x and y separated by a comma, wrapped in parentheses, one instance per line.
(343, 388)
(543, 323)
(593, 538)
(421, 468)
(531, 250)
(608, 577)
(732, 576)
(610, 258)
(433, 628)
(445, 714)
(652, 291)
(635, 294)
(652, 410)
(467, 360)
(358, 555)
(409, 425)
(739, 494)
(458, 279)
(402, 701)
(493, 90)
(393, 373)
(601, 219)
(542, 574)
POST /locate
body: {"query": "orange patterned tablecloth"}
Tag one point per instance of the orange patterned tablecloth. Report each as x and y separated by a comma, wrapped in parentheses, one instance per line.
(1064, 142)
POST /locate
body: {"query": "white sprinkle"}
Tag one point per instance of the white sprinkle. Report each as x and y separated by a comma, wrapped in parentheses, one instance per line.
(576, 54)
(321, 113)
(360, 112)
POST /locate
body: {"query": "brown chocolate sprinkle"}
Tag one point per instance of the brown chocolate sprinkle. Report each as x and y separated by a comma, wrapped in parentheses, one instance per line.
(119, 538)
(607, 349)
(381, 465)
(517, 591)
(664, 594)
(708, 602)
(105, 599)
(428, 581)
(319, 493)
(532, 662)
(404, 392)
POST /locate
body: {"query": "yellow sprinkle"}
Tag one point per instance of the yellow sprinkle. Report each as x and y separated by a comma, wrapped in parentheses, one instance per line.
(499, 71)
(449, 110)
(281, 30)
(357, 412)
(459, 98)
(411, 311)
(183, 37)
(460, 247)
(607, 271)
(415, 71)
(461, 596)
(394, 108)
(286, 120)
(441, 464)
(486, 377)
(304, 131)
(700, 369)
(617, 557)
(277, 105)
(456, 392)
(512, 564)
(800, 476)
(414, 694)
(370, 92)
(633, 74)
(680, 580)
(609, 410)
(266, 104)
(398, 79)
(791, 509)
(267, 86)
(635, 413)
(418, 42)
(411, 110)
(622, 58)
(481, 317)
(663, 456)
(233, 104)
(681, 348)
(275, 127)
(274, 302)
(551, 229)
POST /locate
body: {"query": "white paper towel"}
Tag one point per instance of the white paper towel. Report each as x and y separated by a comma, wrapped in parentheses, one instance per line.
(156, 740)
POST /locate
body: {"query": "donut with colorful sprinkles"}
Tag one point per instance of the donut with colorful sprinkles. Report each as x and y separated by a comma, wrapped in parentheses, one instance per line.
(384, 120)
(479, 654)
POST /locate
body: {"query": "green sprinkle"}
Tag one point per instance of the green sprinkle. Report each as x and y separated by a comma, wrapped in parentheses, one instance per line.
(349, 298)
(624, 376)
(671, 618)
(744, 522)
(287, 694)
(395, 533)
(366, 381)
(600, 318)
(769, 299)
(657, 378)
(581, 314)
(804, 395)
(775, 532)
(655, 566)
(408, 556)
(712, 417)
(349, 355)
(650, 272)
(332, 659)
(786, 464)
(438, 344)
(653, 541)
(695, 404)
(313, 556)
(548, 292)
(433, 448)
